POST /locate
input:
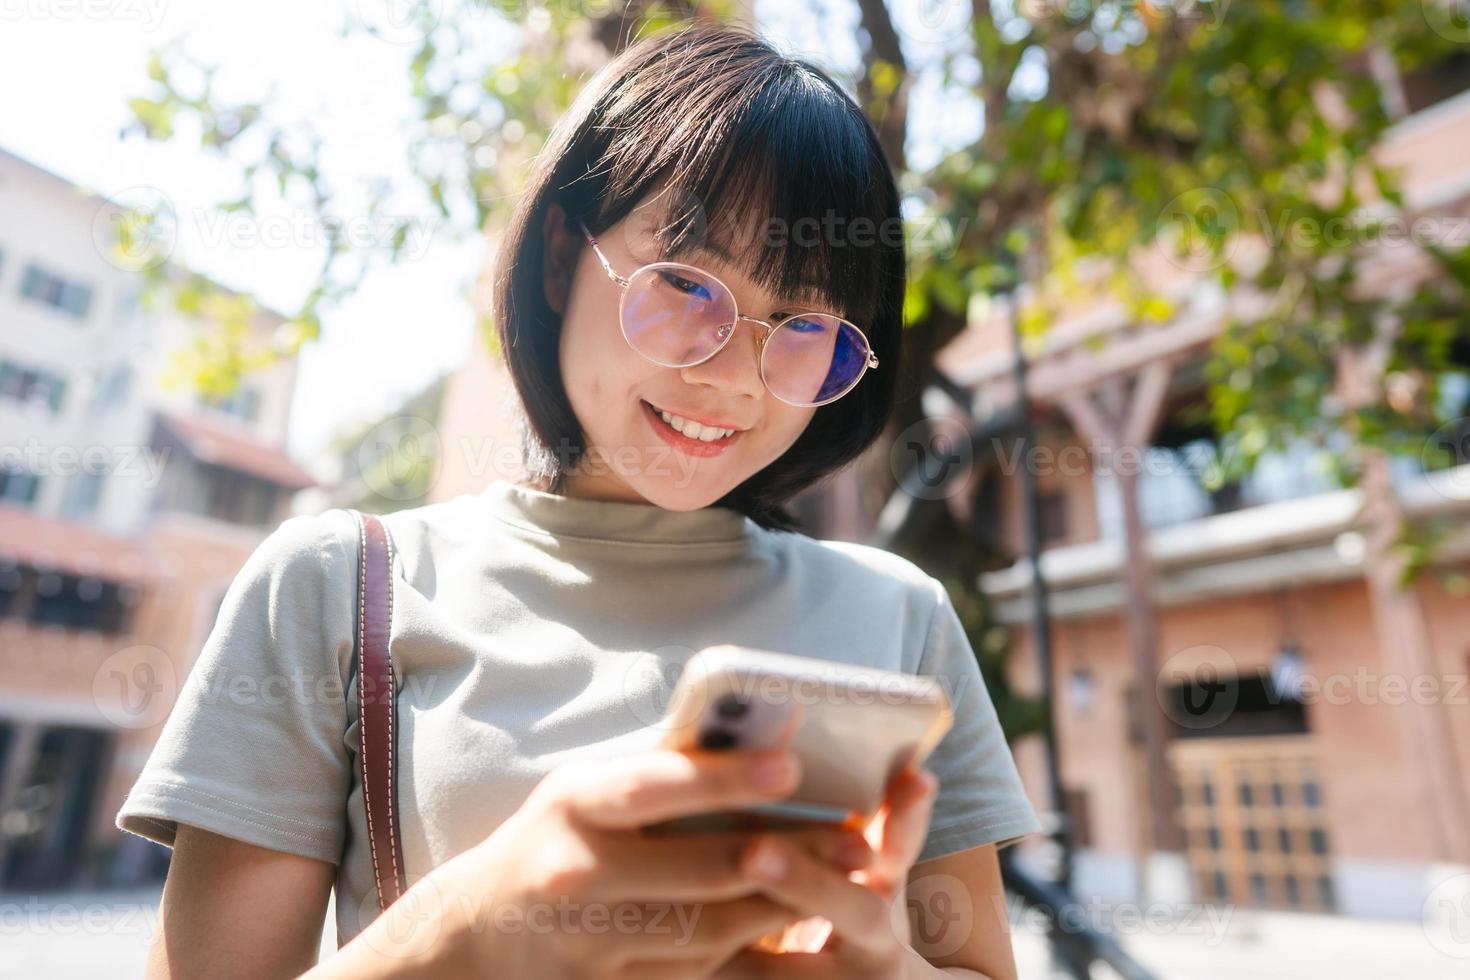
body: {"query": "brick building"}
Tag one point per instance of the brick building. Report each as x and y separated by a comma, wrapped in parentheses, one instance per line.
(125, 512)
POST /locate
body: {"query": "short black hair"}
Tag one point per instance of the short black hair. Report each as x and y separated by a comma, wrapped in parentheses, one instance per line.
(714, 114)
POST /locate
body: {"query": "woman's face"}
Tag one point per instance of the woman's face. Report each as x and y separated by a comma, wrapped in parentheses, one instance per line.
(632, 453)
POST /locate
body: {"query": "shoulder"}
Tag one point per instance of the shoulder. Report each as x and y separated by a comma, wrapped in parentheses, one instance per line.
(328, 542)
(299, 561)
(322, 540)
(451, 519)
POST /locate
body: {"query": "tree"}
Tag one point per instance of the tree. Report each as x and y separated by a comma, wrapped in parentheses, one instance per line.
(1109, 127)
(1112, 127)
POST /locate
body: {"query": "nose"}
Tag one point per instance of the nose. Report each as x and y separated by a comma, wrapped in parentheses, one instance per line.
(736, 368)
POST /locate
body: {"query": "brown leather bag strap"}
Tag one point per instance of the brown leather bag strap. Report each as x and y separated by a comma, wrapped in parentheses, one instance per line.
(377, 706)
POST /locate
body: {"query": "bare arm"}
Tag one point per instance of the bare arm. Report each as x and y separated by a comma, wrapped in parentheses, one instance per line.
(232, 911)
(976, 944)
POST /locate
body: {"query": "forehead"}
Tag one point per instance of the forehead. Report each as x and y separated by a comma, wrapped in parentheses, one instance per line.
(729, 246)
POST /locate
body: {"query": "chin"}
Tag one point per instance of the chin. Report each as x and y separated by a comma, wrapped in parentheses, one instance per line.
(669, 496)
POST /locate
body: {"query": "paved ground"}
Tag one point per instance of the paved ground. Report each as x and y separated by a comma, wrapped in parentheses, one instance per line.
(85, 936)
(1226, 944)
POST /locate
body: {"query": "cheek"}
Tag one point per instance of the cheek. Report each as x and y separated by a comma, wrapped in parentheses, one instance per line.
(786, 425)
(598, 367)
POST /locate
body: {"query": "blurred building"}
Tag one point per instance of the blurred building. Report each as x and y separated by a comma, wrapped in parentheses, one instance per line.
(387, 463)
(125, 512)
(1317, 717)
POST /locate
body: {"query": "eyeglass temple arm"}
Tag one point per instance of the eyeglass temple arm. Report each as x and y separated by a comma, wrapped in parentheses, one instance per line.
(606, 265)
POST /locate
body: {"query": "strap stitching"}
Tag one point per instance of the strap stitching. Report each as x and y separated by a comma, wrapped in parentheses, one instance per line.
(392, 703)
(362, 738)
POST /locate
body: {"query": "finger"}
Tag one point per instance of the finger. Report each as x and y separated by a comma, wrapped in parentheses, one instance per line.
(859, 915)
(665, 783)
(714, 931)
(904, 826)
(707, 867)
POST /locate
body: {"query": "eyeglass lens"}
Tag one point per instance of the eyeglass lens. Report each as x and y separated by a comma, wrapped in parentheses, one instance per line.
(677, 316)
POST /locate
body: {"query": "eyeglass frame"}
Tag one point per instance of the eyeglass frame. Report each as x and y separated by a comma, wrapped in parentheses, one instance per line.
(871, 361)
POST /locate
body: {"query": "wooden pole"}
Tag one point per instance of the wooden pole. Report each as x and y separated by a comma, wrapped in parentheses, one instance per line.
(1120, 431)
(1398, 616)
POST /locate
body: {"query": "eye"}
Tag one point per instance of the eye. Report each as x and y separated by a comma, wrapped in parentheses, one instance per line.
(804, 325)
(687, 286)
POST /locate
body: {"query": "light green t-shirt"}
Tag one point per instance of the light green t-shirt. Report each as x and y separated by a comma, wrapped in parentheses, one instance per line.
(529, 630)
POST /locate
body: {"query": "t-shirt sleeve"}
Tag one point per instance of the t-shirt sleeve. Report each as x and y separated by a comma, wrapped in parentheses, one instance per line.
(254, 746)
(980, 799)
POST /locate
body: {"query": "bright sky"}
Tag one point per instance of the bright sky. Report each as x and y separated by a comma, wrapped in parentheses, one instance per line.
(69, 66)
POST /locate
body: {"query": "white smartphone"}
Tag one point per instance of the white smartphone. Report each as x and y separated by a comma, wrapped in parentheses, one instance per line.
(856, 729)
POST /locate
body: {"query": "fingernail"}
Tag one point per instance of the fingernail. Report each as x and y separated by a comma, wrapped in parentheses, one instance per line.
(775, 772)
(769, 862)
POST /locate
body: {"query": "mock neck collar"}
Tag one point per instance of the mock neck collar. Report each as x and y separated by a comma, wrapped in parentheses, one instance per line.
(612, 520)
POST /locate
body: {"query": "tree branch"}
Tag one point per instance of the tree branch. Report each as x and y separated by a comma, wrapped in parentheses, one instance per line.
(885, 48)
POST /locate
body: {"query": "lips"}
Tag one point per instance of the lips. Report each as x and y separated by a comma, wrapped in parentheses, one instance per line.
(695, 418)
(692, 447)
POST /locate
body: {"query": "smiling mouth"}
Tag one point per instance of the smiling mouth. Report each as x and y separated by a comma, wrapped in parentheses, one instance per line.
(697, 440)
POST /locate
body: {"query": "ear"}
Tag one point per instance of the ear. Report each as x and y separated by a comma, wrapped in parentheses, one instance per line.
(559, 257)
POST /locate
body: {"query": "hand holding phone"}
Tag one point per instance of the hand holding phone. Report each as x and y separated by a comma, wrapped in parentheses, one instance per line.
(854, 729)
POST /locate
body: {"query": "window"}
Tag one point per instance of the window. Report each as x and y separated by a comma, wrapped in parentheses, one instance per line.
(1242, 848)
(113, 391)
(12, 577)
(230, 495)
(31, 386)
(18, 486)
(243, 403)
(55, 291)
(82, 494)
(1051, 512)
(127, 302)
(1235, 706)
(80, 602)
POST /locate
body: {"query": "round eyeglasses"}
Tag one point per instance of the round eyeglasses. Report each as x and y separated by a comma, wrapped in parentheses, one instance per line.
(678, 315)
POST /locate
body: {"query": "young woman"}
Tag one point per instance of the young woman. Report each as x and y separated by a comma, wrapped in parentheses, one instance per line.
(699, 299)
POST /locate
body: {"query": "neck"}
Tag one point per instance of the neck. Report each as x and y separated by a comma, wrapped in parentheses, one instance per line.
(587, 487)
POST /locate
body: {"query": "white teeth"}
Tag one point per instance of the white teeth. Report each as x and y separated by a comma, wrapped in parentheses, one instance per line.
(694, 430)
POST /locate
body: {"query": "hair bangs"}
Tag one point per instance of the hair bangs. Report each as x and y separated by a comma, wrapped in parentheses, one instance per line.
(774, 173)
